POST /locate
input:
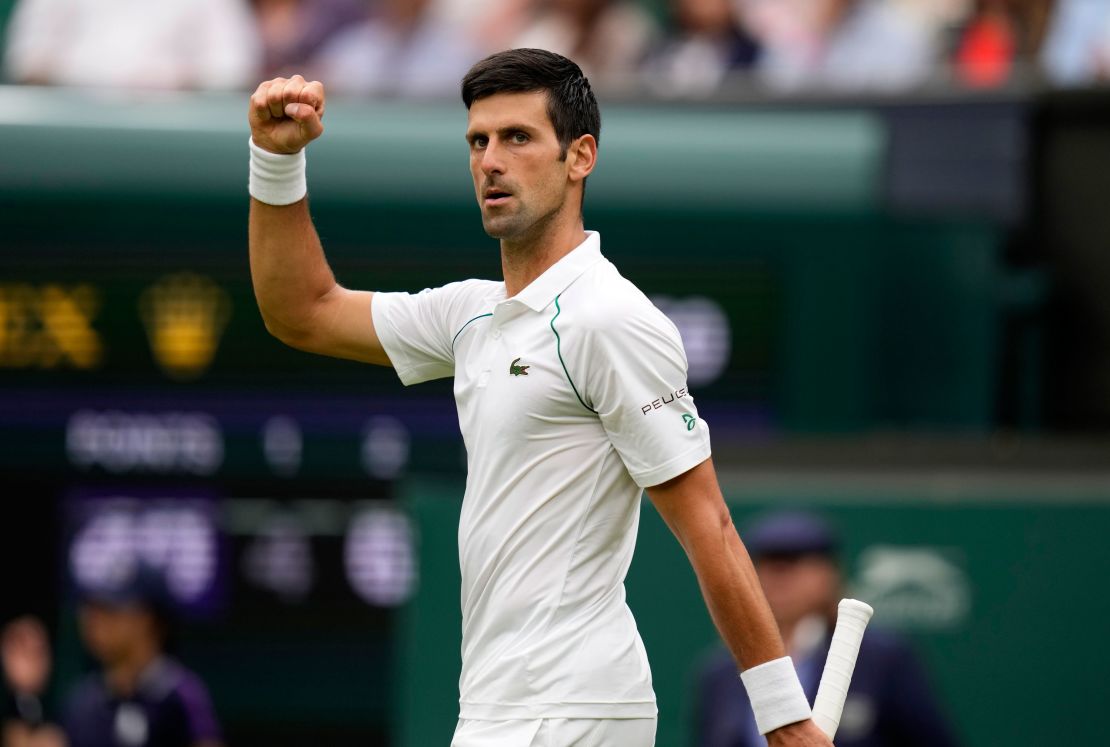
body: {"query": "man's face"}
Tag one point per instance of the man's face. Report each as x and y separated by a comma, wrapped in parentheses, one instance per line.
(110, 632)
(520, 179)
(798, 586)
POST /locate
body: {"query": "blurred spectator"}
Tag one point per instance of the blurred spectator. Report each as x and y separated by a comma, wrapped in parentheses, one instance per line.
(705, 44)
(935, 13)
(889, 702)
(133, 43)
(609, 39)
(401, 50)
(838, 44)
(1001, 36)
(294, 31)
(942, 20)
(989, 46)
(1077, 48)
(26, 660)
(141, 697)
(492, 29)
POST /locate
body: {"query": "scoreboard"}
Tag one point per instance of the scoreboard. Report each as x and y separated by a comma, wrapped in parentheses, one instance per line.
(174, 372)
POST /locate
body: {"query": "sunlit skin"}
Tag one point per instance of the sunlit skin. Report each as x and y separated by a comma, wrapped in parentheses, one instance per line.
(529, 193)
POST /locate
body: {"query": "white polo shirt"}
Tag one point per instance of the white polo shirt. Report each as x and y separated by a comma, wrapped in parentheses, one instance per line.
(572, 398)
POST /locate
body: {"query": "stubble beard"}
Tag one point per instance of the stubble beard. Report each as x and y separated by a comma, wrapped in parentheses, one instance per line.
(519, 227)
(504, 226)
(508, 222)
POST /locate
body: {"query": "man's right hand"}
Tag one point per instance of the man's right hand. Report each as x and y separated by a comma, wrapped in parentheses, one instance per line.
(298, 297)
(285, 114)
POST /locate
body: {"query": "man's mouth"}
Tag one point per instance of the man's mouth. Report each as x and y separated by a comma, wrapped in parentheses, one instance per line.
(494, 196)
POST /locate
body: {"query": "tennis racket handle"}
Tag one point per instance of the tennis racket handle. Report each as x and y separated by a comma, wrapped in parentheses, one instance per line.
(851, 620)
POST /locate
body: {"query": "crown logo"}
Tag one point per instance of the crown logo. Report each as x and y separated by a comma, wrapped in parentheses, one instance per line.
(184, 315)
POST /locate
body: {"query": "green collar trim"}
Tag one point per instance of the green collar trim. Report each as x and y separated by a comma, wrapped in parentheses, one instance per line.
(465, 326)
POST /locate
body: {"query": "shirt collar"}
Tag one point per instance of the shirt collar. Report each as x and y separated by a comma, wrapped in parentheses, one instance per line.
(555, 279)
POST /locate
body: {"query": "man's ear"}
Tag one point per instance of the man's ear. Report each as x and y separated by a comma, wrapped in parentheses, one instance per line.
(581, 157)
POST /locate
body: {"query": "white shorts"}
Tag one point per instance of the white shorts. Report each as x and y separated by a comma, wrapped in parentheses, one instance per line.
(556, 732)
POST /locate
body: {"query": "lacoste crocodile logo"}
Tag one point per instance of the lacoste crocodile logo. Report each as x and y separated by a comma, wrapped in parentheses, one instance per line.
(516, 370)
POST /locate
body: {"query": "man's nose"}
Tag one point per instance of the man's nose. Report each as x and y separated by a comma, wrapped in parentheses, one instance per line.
(492, 162)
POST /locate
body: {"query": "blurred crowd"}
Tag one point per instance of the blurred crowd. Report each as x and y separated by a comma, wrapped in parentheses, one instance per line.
(670, 47)
(137, 694)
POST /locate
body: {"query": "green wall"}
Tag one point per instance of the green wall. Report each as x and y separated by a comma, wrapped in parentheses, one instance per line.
(5, 11)
(1029, 553)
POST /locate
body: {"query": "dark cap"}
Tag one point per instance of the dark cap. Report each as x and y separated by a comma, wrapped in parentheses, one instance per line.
(135, 584)
(791, 533)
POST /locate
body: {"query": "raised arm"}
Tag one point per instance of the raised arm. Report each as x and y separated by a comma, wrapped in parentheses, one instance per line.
(298, 296)
(694, 509)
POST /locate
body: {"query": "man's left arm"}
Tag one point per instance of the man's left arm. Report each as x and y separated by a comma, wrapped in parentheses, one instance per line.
(694, 509)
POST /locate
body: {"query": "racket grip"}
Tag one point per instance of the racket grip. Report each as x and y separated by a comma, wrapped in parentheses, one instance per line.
(851, 620)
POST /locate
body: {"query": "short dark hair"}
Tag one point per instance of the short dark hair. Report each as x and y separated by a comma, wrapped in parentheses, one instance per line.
(571, 104)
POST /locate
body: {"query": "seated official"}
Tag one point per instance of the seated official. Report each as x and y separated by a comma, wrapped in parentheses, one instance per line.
(142, 697)
(889, 704)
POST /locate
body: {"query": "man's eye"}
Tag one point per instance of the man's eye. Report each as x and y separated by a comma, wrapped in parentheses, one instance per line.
(520, 138)
(479, 142)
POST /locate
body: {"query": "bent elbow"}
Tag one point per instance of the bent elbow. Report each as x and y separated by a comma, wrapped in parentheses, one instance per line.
(291, 336)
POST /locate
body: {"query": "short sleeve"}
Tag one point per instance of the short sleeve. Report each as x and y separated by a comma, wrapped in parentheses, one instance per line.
(416, 330)
(636, 382)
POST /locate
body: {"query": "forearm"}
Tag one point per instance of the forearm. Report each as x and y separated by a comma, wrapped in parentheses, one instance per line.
(694, 509)
(732, 592)
(288, 268)
(291, 277)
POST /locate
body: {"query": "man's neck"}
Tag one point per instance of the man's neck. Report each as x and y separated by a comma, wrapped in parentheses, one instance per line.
(525, 260)
(123, 676)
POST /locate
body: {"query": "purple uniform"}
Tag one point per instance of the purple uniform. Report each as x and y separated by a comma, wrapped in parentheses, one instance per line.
(170, 708)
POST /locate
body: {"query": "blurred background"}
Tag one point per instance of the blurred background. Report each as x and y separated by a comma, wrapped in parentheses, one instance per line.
(880, 225)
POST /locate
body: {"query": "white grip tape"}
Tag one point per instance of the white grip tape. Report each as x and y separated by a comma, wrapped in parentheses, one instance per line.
(851, 620)
(275, 178)
(776, 694)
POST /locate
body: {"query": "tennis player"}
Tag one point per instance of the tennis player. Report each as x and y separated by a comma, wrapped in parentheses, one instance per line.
(572, 399)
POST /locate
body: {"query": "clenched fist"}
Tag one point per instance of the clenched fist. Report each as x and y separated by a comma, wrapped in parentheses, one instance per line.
(285, 114)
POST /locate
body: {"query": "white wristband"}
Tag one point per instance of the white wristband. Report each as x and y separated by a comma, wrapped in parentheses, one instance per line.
(776, 694)
(277, 179)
